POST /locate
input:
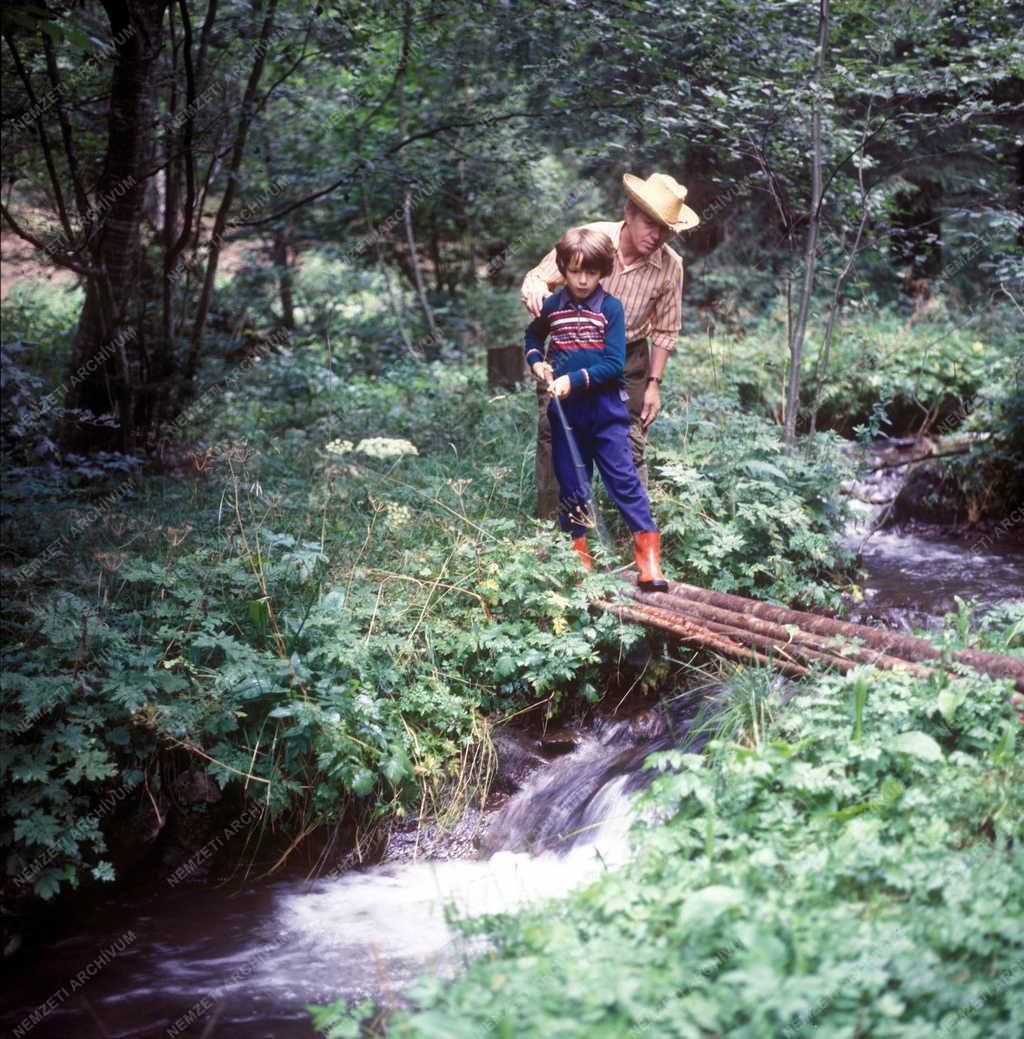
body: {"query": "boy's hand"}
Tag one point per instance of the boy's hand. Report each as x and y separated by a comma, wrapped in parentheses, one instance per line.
(561, 387)
(542, 372)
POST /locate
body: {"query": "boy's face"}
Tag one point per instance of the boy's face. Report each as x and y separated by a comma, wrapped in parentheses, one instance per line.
(581, 280)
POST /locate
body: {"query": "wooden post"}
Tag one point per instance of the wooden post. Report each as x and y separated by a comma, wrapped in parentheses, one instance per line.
(506, 366)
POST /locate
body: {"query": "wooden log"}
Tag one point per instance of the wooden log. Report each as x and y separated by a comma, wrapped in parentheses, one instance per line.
(780, 650)
(907, 647)
(802, 653)
(832, 646)
(766, 649)
(653, 617)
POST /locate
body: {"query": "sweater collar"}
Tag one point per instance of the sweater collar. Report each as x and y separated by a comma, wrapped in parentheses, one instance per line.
(592, 302)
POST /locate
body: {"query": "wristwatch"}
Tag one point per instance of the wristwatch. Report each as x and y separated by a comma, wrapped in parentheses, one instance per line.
(654, 378)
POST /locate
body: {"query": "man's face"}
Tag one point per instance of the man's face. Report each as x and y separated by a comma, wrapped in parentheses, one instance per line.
(647, 234)
(581, 280)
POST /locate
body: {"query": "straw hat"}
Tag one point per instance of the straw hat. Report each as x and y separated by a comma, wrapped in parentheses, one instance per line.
(661, 197)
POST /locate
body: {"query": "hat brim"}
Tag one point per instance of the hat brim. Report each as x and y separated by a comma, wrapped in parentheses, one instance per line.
(634, 188)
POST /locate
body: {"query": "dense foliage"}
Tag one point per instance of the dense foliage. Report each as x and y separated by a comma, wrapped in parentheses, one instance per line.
(389, 137)
(331, 590)
(852, 867)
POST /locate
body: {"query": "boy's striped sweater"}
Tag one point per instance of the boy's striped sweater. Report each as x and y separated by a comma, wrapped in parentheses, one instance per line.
(588, 339)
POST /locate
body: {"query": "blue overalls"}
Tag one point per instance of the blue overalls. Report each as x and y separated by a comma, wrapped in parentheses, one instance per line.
(600, 424)
(588, 344)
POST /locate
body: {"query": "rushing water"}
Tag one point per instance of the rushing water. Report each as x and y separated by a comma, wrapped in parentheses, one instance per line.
(246, 963)
(912, 577)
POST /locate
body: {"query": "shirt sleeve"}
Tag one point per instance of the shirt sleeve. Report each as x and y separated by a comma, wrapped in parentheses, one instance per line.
(546, 271)
(667, 312)
(612, 357)
(536, 334)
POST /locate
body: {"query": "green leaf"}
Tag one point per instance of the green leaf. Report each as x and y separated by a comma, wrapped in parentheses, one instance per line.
(362, 782)
(918, 745)
(948, 702)
(397, 765)
(47, 883)
(708, 903)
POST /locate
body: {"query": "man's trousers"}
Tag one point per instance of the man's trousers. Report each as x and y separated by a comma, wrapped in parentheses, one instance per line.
(600, 424)
(636, 369)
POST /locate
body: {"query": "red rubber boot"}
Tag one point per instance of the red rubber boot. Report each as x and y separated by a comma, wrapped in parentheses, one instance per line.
(648, 559)
(583, 551)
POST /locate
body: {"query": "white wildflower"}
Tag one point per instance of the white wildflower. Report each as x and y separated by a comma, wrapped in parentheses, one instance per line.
(340, 447)
(386, 447)
(398, 516)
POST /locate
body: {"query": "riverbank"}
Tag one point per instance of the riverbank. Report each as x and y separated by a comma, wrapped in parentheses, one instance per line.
(260, 952)
(849, 865)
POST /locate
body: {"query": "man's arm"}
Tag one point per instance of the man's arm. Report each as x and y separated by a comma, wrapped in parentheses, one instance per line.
(540, 282)
(666, 320)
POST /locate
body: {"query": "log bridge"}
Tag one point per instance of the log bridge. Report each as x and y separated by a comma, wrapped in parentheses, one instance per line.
(791, 640)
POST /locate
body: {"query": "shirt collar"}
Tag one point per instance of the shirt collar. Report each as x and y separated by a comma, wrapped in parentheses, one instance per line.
(593, 298)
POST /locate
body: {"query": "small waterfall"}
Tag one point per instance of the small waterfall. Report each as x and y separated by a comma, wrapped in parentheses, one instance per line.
(582, 799)
(257, 957)
(567, 823)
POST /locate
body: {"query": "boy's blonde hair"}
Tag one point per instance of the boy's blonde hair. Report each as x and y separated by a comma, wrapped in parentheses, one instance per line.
(594, 248)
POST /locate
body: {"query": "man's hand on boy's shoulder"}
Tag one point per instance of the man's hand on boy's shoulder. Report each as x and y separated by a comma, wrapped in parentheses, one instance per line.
(533, 295)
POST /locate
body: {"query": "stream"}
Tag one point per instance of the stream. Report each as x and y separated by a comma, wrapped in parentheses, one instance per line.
(245, 963)
(912, 575)
(202, 961)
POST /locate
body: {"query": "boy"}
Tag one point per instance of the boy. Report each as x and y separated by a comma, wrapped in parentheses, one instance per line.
(588, 348)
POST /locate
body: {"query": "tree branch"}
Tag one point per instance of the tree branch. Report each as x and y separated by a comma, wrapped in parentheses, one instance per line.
(220, 221)
(43, 139)
(62, 260)
(71, 155)
(187, 153)
(321, 192)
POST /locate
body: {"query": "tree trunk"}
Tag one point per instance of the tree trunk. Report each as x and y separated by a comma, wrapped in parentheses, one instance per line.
(469, 235)
(506, 366)
(397, 309)
(279, 252)
(410, 239)
(421, 291)
(105, 371)
(435, 255)
(221, 219)
(796, 342)
(823, 358)
(1019, 193)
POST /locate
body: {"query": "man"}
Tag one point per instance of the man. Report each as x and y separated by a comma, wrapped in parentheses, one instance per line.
(648, 280)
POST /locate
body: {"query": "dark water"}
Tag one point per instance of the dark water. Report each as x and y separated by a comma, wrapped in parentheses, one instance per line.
(912, 577)
(245, 963)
